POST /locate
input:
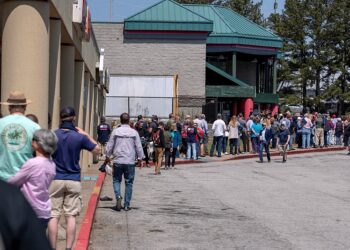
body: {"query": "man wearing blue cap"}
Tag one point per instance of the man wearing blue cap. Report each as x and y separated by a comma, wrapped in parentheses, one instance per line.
(65, 190)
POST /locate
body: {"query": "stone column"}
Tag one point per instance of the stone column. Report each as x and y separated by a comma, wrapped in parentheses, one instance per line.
(67, 76)
(79, 92)
(234, 64)
(55, 71)
(25, 54)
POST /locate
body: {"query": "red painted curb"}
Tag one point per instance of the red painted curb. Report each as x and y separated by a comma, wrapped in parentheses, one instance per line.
(82, 242)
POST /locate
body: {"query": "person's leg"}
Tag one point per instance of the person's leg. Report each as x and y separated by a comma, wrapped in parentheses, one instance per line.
(160, 159)
(167, 157)
(173, 157)
(317, 138)
(231, 145)
(224, 144)
(189, 148)
(146, 155)
(267, 149)
(194, 150)
(70, 231)
(117, 178)
(215, 139)
(53, 230)
(308, 138)
(236, 145)
(304, 133)
(219, 138)
(129, 176)
(261, 149)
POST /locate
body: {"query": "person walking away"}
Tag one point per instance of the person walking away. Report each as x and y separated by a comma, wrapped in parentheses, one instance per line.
(37, 173)
(218, 128)
(282, 141)
(65, 189)
(191, 142)
(168, 146)
(145, 137)
(233, 130)
(159, 145)
(16, 132)
(264, 143)
(256, 129)
(103, 133)
(124, 146)
(176, 144)
(339, 128)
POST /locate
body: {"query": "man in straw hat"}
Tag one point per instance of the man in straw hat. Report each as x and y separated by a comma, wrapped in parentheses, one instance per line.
(16, 133)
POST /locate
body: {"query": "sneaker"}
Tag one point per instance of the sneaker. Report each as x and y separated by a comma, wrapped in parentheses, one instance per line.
(259, 161)
(225, 153)
(127, 208)
(118, 206)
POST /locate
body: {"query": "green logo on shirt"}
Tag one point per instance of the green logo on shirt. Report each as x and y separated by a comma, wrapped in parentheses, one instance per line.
(14, 137)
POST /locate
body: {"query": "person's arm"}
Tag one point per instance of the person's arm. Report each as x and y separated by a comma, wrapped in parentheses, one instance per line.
(22, 175)
(97, 148)
(214, 126)
(139, 150)
(287, 140)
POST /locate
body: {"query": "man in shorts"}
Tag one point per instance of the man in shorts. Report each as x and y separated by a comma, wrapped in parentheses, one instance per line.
(65, 190)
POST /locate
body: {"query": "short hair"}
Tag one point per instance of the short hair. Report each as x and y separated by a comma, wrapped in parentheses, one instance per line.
(124, 118)
(103, 119)
(219, 116)
(67, 113)
(47, 140)
(139, 117)
(203, 116)
(33, 117)
(161, 124)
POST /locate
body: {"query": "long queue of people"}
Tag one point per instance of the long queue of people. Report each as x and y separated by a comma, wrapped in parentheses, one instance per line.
(188, 138)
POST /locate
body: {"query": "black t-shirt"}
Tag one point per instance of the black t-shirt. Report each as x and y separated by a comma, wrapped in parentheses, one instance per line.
(283, 136)
(19, 226)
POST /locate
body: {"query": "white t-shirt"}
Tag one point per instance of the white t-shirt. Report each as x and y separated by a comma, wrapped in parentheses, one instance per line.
(249, 124)
(219, 127)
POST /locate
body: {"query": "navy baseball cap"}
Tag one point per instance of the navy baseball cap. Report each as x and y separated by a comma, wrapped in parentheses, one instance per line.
(67, 112)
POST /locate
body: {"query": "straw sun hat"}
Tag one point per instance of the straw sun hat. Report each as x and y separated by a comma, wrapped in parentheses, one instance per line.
(16, 98)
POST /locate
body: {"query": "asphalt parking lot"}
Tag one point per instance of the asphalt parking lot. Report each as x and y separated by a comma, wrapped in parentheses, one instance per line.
(303, 204)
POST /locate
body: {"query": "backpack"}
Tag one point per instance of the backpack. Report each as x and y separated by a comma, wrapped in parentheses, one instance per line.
(156, 138)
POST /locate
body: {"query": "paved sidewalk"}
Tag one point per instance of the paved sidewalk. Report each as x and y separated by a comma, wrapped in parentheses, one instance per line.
(303, 204)
(88, 183)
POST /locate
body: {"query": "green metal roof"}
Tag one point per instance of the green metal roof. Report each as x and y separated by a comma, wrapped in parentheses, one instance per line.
(168, 15)
(232, 28)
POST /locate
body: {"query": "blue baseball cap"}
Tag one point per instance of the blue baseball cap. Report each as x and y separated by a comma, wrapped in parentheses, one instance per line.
(67, 112)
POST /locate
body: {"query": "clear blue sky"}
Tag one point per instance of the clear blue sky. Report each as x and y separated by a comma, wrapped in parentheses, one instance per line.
(122, 9)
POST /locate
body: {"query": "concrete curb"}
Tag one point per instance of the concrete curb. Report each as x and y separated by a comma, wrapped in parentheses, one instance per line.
(83, 239)
(249, 156)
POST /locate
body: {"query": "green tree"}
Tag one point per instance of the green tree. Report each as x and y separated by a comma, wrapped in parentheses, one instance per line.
(339, 42)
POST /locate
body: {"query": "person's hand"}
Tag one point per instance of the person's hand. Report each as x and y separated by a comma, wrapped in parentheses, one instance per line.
(140, 164)
(81, 131)
(107, 160)
(171, 150)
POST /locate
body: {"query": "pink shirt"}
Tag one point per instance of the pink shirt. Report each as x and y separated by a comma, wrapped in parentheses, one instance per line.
(34, 179)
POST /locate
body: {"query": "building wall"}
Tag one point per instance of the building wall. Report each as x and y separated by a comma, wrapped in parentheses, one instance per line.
(184, 58)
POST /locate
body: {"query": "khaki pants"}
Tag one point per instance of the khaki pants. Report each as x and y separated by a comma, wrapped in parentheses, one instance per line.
(283, 151)
(158, 159)
(319, 137)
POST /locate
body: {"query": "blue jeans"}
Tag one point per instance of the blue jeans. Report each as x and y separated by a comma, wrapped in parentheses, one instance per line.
(291, 140)
(217, 140)
(192, 146)
(255, 144)
(128, 170)
(306, 132)
(264, 145)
